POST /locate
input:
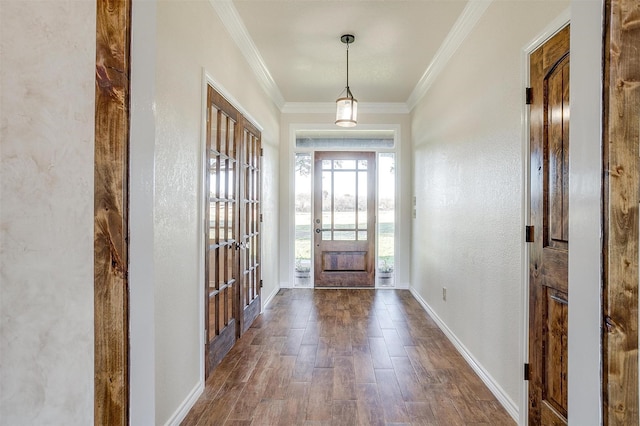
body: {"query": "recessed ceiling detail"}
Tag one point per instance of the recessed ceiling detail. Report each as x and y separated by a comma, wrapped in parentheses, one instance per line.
(402, 46)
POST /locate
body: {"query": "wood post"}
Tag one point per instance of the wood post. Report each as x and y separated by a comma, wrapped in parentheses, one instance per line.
(111, 316)
(621, 128)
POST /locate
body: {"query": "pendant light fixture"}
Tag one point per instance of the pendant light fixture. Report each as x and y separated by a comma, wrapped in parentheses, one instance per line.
(347, 107)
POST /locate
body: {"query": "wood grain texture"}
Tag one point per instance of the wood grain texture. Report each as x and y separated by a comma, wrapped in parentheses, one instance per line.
(111, 310)
(342, 258)
(232, 227)
(621, 185)
(250, 156)
(536, 114)
(260, 381)
(548, 256)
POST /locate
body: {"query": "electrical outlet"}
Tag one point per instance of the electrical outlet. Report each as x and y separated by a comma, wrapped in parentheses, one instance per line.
(444, 294)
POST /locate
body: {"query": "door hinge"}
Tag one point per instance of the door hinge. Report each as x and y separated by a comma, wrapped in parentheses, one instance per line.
(261, 285)
(261, 217)
(261, 152)
(529, 234)
(526, 371)
(528, 95)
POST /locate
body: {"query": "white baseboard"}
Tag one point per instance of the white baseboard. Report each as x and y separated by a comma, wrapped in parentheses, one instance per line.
(182, 411)
(398, 286)
(484, 375)
(269, 298)
(402, 286)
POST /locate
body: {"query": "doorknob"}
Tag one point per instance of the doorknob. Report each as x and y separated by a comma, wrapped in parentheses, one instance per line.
(318, 230)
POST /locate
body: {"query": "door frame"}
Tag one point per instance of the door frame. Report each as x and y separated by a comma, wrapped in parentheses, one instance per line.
(549, 31)
(400, 252)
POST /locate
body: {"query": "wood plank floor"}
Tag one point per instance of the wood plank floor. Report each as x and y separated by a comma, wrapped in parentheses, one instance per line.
(345, 357)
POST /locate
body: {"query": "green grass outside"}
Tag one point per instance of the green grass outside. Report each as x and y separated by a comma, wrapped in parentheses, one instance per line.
(385, 234)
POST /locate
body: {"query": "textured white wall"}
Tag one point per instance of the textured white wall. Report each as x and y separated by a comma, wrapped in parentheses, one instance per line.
(191, 38)
(141, 213)
(46, 212)
(467, 179)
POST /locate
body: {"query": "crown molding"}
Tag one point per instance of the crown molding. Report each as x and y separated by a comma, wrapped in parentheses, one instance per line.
(233, 23)
(330, 108)
(460, 30)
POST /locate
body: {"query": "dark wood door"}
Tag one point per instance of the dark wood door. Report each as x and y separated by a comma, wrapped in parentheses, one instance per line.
(232, 226)
(221, 227)
(548, 272)
(250, 220)
(344, 219)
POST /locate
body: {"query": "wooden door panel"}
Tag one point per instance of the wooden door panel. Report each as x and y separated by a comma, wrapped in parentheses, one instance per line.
(549, 416)
(344, 219)
(232, 227)
(556, 146)
(555, 273)
(555, 368)
(344, 261)
(220, 341)
(250, 238)
(221, 227)
(548, 260)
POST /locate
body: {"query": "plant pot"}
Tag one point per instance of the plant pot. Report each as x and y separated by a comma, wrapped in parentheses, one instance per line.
(301, 278)
(385, 278)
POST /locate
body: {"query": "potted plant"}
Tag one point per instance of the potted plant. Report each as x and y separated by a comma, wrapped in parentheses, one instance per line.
(385, 273)
(302, 274)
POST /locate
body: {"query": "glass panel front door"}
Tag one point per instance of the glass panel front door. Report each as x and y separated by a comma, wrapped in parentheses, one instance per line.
(344, 216)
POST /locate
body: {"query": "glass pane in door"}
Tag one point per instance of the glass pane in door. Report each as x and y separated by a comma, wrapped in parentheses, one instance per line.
(303, 225)
(386, 219)
(344, 200)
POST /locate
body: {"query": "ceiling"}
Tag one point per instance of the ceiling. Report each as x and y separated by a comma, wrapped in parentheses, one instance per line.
(294, 45)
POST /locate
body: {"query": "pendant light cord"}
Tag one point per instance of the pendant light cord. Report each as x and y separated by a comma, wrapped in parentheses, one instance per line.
(348, 90)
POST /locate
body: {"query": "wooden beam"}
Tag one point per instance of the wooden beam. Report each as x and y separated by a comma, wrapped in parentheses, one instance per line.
(111, 317)
(621, 123)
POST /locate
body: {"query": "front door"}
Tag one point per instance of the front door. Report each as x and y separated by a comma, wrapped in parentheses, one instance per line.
(344, 219)
(548, 272)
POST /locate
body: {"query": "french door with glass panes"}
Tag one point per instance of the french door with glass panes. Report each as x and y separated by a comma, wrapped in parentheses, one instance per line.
(232, 227)
(344, 219)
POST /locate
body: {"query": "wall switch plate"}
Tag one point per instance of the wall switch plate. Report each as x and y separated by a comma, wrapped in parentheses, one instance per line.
(444, 294)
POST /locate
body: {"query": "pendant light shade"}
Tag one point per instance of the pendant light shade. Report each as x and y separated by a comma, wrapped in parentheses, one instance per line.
(347, 107)
(347, 112)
